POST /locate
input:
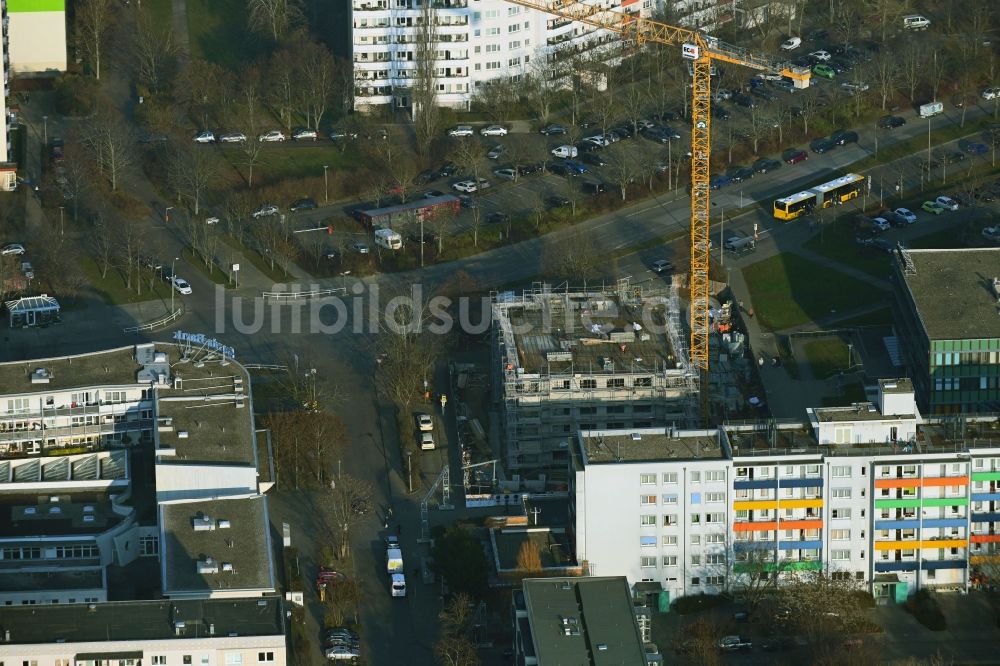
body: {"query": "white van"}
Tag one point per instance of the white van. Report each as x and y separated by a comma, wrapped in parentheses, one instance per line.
(564, 151)
(388, 239)
(740, 243)
(916, 22)
(931, 109)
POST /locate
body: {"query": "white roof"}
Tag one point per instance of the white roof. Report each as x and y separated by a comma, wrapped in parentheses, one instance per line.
(33, 303)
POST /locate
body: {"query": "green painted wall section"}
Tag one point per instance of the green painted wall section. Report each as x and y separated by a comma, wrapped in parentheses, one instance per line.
(16, 6)
(946, 501)
(742, 567)
(986, 476)
(897, 503)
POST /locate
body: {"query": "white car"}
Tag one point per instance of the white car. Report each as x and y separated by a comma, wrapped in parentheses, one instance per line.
(821, 56)
(880, 224)
(461, 130)
(13, 249)
(564, 151)
(304, 133)
(233, 137)
(426, 441)
(854, 87)
(791, 44)
(493, 130)
(662, 266)
(907, 215)
(598, 140)
(181, 285)
(770, 76)
(273, 135)
(425, 423)
(947, 203)
(267, 210)
(505, 174)
(211, 220)
(205, 137)
(467, 186)
(991, 93)
(360, 247)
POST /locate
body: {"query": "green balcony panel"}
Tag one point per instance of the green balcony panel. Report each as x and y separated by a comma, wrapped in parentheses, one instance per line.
(986, 476)
(897, 503)
(946, 501)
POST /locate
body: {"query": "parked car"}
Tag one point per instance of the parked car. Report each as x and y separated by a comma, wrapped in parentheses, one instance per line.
(891, 122)
(528, 169)
(734, 643)
(465, 201)
(496, 152)
(550, 130)
(661, 266)
(820, 56)
(304, 133)
(181, 285)
(720, 112)
(565, 151)
(467, 186)
(855, 87)
(791, 44)
(824, 71)
(461, 130)
(337, 135)
(907, 214)
(719, 181)
(266, 210)
(306, 203)
(976, 148)
(895, 219)
(425, 422)
(556, 201)
(360, 247)
(593, 159)
(738, 174)
(205, 136)
(505, 174)
(745, 101)
(947, 203)
(447, 170)
(820, 146)
(576, 167)
(593, 189)
(233, 137)
(932, 207)
(432, 194)
(991, 94)
(493, 130)
(880, 224)
(12, 249)
(794, 156)
(844, 137)
(271, 136)
(882, 245)
(765, 164)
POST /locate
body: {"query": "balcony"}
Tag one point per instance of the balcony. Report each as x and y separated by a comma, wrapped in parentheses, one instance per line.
(371, 6)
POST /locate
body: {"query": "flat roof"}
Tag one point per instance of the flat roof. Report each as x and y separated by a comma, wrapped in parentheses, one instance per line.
(35, 581)
(245, 545)
(114, 367)
(57, 513)
(953, 291)
(554, 550)
(649, 445)
(213, 431)
(598, 614)
(900, 385)
(143, 620)
(861, 411)
(586, 333)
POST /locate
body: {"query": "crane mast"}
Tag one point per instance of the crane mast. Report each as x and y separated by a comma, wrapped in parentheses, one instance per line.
(701, 50)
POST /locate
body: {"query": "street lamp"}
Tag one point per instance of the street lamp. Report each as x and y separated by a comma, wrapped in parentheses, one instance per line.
(45, 130)
(172, 290)
(409, 470)
(61, 230)
(850, 354)
(326, 185)
(166, 213)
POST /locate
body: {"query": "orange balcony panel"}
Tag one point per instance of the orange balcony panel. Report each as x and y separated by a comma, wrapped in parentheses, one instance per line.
(944, 481)
(985, 538)
(755, 505)
(897, 483)
(755, 526)
(801, 525)
(800, 503)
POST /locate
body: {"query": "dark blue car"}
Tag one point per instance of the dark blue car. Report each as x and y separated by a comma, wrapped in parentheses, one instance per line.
(576, 167)
(976, 148)
(720, 181)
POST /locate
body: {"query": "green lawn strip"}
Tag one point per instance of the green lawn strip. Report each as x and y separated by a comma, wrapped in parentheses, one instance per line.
(289, 161)
(258, 261)
(849, 394)
(826, 356)
(218, 33)
(161, 11)
(913, 146)
(216, 275)
(112, 288)
(837, 242)
(788, 290)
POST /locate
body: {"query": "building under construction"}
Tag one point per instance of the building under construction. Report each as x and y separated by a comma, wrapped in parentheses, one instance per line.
(585, 360)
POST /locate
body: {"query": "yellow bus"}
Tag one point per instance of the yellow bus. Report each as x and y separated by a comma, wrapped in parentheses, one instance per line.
(836, 191)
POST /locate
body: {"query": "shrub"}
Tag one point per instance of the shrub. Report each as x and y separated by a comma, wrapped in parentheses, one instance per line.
(924, 607)
(75, 95)
(698, 602)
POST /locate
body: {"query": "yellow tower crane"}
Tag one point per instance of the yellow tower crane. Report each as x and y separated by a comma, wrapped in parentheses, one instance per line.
(701, 50)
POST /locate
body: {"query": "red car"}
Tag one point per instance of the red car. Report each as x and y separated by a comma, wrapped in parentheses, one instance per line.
(794, 156)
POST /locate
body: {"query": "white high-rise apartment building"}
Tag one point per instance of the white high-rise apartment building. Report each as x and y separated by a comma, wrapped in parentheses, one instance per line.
(476, 41)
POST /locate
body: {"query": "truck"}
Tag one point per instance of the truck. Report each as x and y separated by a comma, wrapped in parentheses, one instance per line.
(394, 566)
(388, 239)
(931, 109)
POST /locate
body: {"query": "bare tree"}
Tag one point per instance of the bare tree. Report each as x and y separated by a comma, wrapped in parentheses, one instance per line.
(273, 16)
(190, 172)
(238, 207)
(198, 86)
(94, 20)
(823, 605)
(885, 75)
(754, 576)
(911, 68)
(468, 156)
(109, 141)
(760, 126)
(633, 103)
(426, 113)
(319, 82)
(499, 98)
(153, 49)
(346, 495)
(606, 106)
(283, 85)
(937, 68)
(408, 351)
(622, 167)
(575, 258)
(455, 647)
(540, 88)
(529, 558)
(104, 241)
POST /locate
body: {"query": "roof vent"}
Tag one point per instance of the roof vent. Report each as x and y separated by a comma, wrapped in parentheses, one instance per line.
(30, 510)
(889, 385)
(41, 376)
(636, 436)
(182, 434)
(207, 566)
(871, 408)
(224, 525)
(228, 566)
(55, 509)
(203, 524)
(92, 608)
(178, 628)
(602, 647)
(211, 629)
(262, 603)
(89, 518)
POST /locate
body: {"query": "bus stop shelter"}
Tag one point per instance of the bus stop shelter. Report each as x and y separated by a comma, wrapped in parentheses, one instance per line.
(33, 311)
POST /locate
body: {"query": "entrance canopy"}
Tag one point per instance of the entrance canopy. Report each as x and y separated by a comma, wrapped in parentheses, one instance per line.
(33, 311)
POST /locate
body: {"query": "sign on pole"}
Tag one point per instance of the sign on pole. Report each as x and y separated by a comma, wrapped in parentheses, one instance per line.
(689, 51)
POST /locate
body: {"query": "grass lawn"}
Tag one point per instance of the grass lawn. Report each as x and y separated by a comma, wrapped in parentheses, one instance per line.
(880, 317)
(914, 145)
(837, 242)
(219, 34)
(216, 275)
(788, 290)
(849, 394)
(257, 260)
(290, 161)
(826, 357)
(113, 289)
(161, 10)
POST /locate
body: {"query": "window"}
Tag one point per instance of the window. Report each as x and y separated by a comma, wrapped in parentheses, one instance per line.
(715, 517)
(695, 580)
(670, 477)
(715, 580)
(62, 662)
(204, 660)
(616, 382)
(648, 500)
(647, 520)
(715, 538)
(715, 475)
(492, 32)
(715, 497)
(647, 562)
(840, 535)
(669, 499)
(234, 658)
(149, 546)
(647, 542)
(670, 540)
(492, 48)
(695, 477)
(588, 383)
(841, 513)
(841, 471)
(159, 660)
(670, 560)
(742, 494)
(695, 539)
(695, 519)
(669, 520)
(842, 493)
(647, 479)
(715, 558)
(186, 659)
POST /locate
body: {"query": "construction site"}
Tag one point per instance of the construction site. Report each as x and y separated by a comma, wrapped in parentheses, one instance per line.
(567, 360)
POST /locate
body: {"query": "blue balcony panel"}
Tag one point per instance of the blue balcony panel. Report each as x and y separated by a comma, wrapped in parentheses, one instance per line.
(985, 497)
(741, 546)
(895, 566)
(760, 484)
(944, 522)
(943, 564)
(908, 524)
(801, 483)
(985, 517)
(800, 545)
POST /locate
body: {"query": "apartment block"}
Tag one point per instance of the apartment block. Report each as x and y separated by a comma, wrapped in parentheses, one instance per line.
(474, 41)
(872, 492)
(945, 321)
(583, 361)
(37, 44)
(136, 464)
